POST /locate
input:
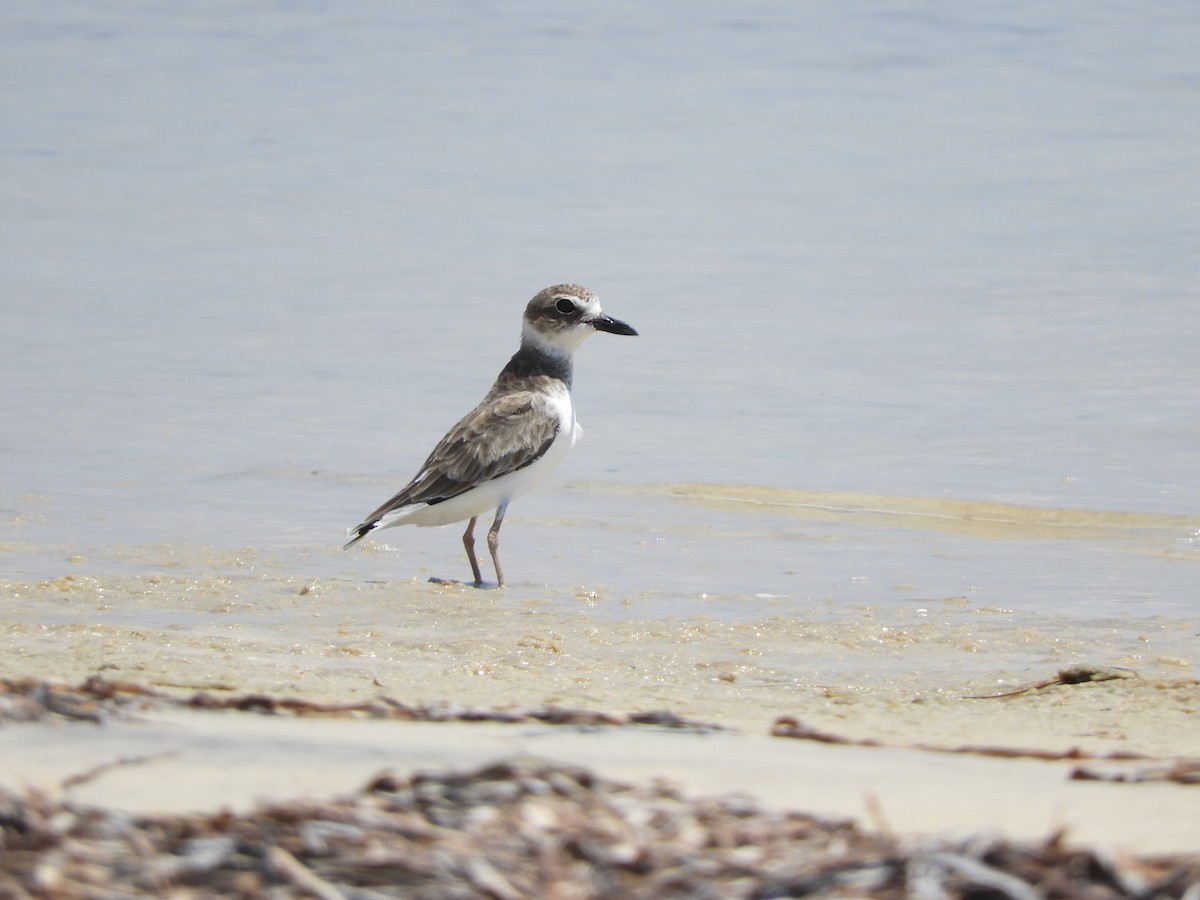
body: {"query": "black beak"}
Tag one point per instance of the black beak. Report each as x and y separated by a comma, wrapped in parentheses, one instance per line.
(611, 325)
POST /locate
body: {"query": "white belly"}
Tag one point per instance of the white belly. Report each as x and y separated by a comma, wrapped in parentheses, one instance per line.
(490, 495)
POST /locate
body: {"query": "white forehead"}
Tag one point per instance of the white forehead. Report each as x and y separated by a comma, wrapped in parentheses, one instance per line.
(576, 292)
(584, 299)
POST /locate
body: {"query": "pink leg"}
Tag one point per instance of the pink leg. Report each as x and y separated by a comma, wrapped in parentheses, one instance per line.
(469, 545)
(494, 542)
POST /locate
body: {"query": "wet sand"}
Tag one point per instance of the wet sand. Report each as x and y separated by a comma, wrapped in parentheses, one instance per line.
(909, 681)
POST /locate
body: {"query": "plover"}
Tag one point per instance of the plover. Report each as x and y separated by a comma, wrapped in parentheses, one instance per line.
(514, 438)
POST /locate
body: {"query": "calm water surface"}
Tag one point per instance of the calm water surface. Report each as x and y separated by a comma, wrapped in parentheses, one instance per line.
(257, 258)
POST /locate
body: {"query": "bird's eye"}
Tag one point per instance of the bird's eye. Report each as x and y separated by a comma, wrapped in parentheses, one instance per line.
(565, 306)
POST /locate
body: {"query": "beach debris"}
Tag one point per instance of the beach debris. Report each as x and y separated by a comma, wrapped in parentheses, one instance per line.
(1073, 675)
(790, 727)
(98, 698)
(527, 828)
(1184, 771)
(96, 771)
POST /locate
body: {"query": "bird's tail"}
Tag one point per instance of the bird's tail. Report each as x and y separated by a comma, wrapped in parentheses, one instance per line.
(360, 532)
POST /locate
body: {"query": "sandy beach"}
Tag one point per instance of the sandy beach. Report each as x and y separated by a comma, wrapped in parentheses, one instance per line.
(931, 720)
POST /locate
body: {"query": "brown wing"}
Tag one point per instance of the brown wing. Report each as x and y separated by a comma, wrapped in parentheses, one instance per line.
(499, 436)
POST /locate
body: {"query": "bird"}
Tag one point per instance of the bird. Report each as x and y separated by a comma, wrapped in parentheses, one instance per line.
(520, 431)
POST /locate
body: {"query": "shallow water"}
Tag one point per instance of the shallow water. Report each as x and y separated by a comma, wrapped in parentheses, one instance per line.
(896, 269)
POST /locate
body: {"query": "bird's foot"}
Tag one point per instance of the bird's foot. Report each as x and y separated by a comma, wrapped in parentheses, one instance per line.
(433, 579)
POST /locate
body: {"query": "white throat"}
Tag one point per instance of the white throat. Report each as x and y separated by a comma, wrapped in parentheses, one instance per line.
(560, 345)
